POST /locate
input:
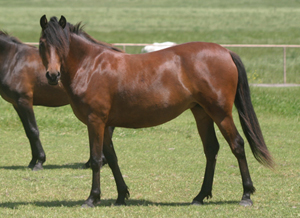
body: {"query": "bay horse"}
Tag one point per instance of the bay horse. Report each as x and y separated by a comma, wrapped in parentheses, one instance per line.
(110, 88)
(23, 84)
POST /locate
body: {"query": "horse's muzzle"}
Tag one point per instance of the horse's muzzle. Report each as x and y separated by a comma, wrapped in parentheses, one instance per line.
(53, 78)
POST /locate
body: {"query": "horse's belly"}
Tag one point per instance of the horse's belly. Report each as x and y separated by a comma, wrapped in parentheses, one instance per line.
(146, 118)
(141, 121)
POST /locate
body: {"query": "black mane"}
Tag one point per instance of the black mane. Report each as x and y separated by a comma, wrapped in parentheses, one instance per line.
(78, 29)
(5, 36)
(59, 37)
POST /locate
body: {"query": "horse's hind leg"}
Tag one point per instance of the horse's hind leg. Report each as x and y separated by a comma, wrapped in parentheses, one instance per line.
(112, 160)
(236, 143)
(206, 131)
(26, 114)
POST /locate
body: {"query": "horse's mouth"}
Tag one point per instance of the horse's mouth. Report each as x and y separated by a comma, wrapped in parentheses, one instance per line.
(53, 80)
(53, 83)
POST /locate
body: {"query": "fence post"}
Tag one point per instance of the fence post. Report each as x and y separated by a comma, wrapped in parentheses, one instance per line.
(284, 65)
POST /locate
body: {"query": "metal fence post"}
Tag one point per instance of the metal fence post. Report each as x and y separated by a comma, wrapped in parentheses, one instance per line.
(284, 65)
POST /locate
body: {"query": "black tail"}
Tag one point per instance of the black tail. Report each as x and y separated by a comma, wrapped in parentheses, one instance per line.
(248, 117)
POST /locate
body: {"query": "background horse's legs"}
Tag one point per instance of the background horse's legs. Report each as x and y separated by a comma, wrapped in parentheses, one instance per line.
(112, 160)
(26, 114)
(207, 133)
(229, 131)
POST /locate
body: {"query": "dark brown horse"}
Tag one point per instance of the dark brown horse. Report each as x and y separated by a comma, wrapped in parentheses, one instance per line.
(23, 84)
(110, 88)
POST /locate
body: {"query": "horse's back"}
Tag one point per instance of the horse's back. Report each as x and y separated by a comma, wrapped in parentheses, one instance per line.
(161, 85)
(197, 66)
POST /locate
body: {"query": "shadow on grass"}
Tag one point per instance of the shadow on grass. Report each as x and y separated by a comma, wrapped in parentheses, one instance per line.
(48, 167)
(106, 203)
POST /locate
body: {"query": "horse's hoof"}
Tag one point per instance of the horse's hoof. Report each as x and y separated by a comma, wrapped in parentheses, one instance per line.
(197, 203)
(119, 204)
(246, 203)
(37, 167)
(32, 164)
(86, 205)
(90, 203)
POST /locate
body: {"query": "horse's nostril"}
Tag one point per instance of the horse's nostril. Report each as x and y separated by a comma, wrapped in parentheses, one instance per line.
(48, 75)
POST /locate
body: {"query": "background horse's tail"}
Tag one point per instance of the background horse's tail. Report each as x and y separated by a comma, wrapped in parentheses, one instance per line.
(248, 117)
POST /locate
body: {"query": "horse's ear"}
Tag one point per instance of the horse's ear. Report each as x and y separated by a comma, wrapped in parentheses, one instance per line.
(62, 21)
(43, 22)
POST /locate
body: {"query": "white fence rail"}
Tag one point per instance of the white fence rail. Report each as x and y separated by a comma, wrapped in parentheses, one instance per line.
(270, 46)
(284, 47)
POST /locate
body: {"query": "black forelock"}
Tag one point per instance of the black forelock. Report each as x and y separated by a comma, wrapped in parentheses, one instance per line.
(56, 36)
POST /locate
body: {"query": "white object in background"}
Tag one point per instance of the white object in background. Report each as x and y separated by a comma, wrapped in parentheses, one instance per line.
(157, 46)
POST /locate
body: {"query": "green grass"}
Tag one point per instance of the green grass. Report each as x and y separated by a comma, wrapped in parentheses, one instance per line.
(163, 166)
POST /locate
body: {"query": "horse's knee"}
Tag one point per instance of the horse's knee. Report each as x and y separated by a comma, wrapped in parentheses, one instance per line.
(95, 163)
(212, 152)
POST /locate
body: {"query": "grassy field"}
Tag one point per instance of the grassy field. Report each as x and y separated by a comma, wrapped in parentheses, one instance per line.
(163, 166)
(223, 22)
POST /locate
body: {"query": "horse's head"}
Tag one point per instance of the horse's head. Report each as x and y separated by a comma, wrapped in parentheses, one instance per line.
(53, 45)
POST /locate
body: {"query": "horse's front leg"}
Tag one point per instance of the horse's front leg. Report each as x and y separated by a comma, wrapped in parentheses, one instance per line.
(104, 160)
(26, 114)
(96, 136)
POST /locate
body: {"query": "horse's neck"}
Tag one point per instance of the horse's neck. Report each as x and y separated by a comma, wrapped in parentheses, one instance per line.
(73, 57)
(81, 48)
(85, 43)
